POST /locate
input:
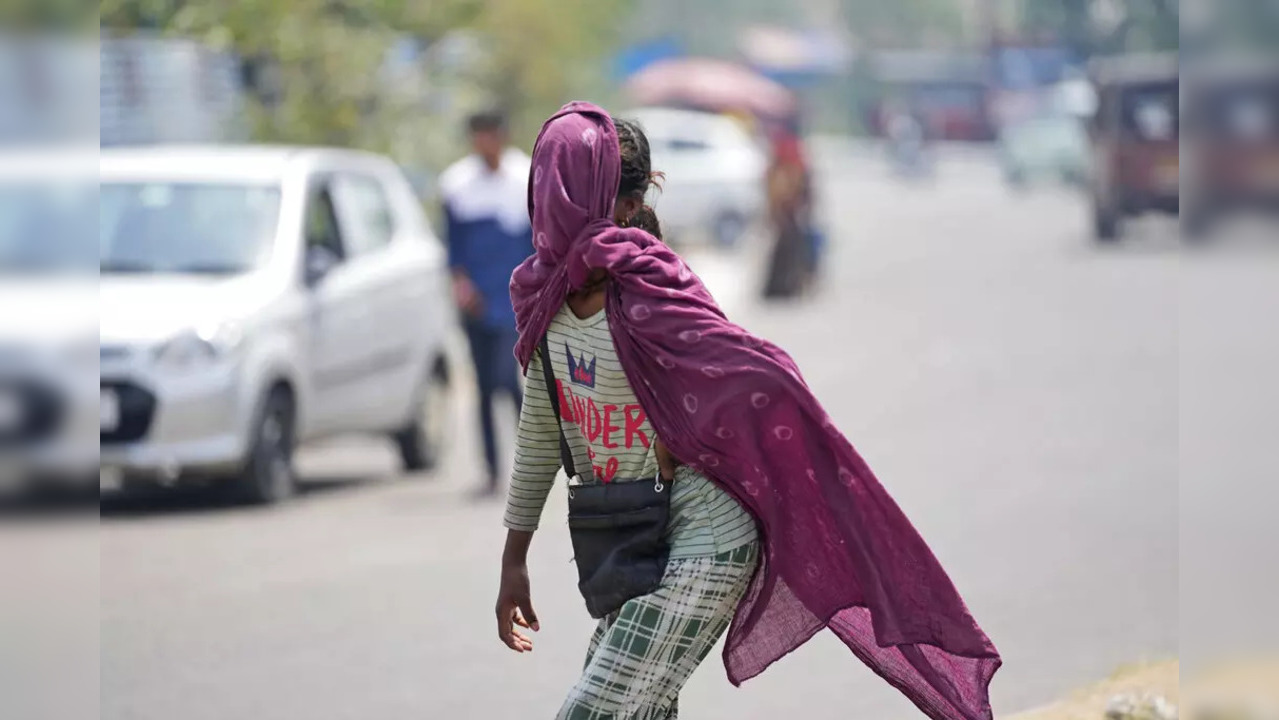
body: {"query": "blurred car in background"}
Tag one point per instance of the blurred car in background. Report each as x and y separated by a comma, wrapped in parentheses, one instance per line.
(253, 298)
(1135, 140)
(1233, 155)
(1053, 146)
(714, 185)
(48, 324)
(1051, 141)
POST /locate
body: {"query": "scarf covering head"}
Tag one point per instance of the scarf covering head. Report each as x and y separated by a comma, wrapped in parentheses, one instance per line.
(837, 552)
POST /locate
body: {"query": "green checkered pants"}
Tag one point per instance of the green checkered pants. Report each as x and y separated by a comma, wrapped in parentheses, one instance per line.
(641, 656)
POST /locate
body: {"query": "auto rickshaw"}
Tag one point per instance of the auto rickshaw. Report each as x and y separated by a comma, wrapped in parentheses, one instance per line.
(1135, 140)
(1233, 153)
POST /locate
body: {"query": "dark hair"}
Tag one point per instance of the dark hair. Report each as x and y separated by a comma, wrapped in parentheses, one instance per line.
(637, 173)
(646, 219)
(487, 121)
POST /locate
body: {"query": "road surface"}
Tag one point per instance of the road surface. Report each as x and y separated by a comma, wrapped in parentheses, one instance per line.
(1013, 385)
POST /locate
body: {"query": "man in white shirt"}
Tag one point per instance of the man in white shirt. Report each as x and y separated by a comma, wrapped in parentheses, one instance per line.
(486, 207)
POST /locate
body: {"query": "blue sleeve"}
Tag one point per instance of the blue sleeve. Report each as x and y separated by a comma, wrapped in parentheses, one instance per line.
(453, 236)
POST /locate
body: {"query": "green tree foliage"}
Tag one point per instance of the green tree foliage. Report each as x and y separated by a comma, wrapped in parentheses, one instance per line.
(1143, 25)
(1241, 26)
(321, 63)
(323, 56)
(544, 52)
(1069, 20)
(905, 23)
(1148, 25)
(24, 16)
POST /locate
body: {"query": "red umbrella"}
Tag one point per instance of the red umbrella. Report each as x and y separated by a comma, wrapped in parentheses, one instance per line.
(711, 85)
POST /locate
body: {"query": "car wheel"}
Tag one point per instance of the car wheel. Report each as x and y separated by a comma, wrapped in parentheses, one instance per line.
(728, 228)
(268, 475)
(56, 491)
(422, 440)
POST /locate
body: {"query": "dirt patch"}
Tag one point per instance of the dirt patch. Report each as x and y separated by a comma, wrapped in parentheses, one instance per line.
(1157, 679)
(1243, 690)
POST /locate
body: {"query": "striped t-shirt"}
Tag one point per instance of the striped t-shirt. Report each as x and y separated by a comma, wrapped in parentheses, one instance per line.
(608, 433)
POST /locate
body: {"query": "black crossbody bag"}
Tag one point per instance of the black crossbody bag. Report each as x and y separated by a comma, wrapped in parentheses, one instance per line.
(618, 528)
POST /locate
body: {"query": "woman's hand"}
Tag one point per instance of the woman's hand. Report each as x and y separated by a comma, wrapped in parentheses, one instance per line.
(666, 462)
(514, 602)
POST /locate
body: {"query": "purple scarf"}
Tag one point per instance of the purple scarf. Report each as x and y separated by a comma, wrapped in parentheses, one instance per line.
(837, 551)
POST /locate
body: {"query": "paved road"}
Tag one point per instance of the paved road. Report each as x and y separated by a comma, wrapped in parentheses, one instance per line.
(1014, 386)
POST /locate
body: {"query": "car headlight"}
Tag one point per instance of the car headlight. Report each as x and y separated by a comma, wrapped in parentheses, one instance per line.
(193, 349)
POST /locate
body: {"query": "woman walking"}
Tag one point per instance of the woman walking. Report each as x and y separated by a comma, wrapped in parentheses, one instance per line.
(707, 488)
(792, 263)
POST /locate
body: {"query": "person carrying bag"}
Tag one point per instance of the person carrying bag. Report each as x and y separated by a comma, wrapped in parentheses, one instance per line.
(618, 527)
(776, 524)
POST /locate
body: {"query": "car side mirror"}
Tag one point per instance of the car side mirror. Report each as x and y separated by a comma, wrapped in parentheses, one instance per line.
(319, 262)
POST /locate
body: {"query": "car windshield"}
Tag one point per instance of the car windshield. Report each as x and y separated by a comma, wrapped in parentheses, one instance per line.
(1243, 111)
(47, 228)
(1043, 132)
(182, 227)
(1151, 111)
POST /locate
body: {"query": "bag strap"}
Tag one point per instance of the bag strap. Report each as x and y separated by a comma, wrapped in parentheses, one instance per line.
(566, 454)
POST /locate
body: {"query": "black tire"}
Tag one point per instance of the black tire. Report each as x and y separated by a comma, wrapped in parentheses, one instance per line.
(421, 441)
(268, 475)
(52, 493)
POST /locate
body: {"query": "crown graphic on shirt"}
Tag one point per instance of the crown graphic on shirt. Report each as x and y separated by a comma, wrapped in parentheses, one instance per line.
(579, 371)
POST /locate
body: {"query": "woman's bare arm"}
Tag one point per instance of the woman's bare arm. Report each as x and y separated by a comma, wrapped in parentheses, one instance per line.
(514, 599)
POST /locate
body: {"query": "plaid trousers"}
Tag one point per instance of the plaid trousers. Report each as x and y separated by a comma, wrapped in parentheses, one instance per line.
(641, 656)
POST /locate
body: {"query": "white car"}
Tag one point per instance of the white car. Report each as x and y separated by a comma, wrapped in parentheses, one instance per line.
(714, 186)
(254, 298)
(48, 322)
